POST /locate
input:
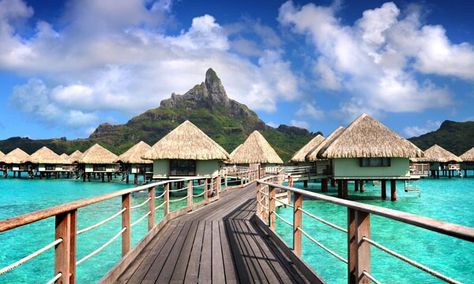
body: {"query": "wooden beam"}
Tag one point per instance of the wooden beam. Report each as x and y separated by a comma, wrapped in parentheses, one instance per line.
(63, 250)
(271, 208)
(73, 247)
(297, 224)
(384, 189)
(358, 250)
(151, 208)
(166, 207)
(393, 190)
(190, 195)
(126, 215)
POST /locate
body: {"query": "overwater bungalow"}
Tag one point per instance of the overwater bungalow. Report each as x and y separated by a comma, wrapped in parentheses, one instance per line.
(131, 162)
(17, 162)
(467, 161)
(186, 151)
(47, 163)
(440, 161)
(75, 157)
(255, 151)
(366, 151)
(1, 163)
(98, 162)
(305, 170)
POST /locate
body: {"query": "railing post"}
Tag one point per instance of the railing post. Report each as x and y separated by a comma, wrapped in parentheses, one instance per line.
(297, 223)
(126, 215)
(258, 186)
(358, 250)
(190, 195)
(225, 181)
(241, 179)
(166, 207)
(151, 207)
(271, 208)
(62, 255)
(73, 247)
(218, 187)
(206, 190)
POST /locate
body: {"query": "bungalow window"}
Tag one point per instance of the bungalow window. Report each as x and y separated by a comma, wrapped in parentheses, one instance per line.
(50, 167)
(375, 162)
(182, 168)
(99, 168)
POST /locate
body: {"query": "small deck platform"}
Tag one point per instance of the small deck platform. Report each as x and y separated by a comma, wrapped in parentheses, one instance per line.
(220, 243)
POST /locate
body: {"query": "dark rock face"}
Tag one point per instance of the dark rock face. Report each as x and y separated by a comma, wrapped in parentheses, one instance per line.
(101, 130)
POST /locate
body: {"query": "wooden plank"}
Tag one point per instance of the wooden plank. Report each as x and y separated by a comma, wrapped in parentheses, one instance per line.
(245, 270)
(218, 272)
(184, 257)
(205, 267)
(155, 269)
(167, 269)
(227, 260)
(192, 271)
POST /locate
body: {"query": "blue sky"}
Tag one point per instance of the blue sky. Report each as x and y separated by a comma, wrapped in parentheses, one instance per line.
(66, 66)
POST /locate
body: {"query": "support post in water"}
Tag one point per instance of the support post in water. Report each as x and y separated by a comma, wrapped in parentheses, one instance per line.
(151, 208)
(271, 208)
(126, 235)
(297, 223)
(358, 224)
(383, 184)
(393, 190)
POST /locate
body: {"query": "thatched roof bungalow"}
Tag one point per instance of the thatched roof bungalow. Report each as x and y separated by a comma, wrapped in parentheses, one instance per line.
(186, 151)
(47, 160)
(367, 149)
(255, 150)
(467, 160)
(132, 161)
(1, 154)
(16, 161)
(300, 156)
(97, 159)
(75, 157)
(65, 158)
(437, 154)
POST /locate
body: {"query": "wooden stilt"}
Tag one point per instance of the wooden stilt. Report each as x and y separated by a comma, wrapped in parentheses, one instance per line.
(384, 189)
(324, 185)
(333, 182)
(103, 177)
(135, 179)
(393, 190)
(362, 182)
(339, 188)
(345, 189)
(356, 185)
(305, 183)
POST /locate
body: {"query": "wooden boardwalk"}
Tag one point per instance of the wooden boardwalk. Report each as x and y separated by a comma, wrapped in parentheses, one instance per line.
(220, 243)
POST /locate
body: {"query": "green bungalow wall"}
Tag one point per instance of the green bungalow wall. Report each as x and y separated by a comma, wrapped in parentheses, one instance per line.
(209, 168)
(109, 168)
(347, 168)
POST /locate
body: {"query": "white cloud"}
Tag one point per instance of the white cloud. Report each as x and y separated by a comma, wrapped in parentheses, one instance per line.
(430, 125)
(272, 124)
(299, 123)
(377, 59)
(100, 61)
(309, 110)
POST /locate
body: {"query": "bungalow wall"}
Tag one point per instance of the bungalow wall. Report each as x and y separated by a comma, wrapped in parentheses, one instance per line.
(107, 168)
(141, 168)
(467, 166)
(50, 168)
(209, 168)
(346, 168)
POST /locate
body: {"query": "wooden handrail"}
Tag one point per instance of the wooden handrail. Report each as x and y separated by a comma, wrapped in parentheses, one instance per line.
(446, 228)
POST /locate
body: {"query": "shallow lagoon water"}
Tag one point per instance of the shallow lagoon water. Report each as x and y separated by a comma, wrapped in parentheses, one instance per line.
(446, 199)
(450, 200)
(20, 196)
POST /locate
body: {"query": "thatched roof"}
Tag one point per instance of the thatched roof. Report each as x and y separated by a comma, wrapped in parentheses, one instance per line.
(98, 155)
(45, 156)
(255, 149)
(16, 156)
(308, 148)
(65, 158)
(468, 156)
(134, 155)
(1, 154)
(438, 154)
(186, 142)
(314, 154)
(366, 137)
(75, 157)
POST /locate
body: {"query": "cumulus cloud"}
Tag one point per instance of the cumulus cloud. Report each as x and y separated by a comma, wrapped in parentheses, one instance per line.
(430, 125)
(299, 123)
(97, 60)
(377, 59)
(310, 110)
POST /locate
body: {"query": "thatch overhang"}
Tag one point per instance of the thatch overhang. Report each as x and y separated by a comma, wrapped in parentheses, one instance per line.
(44, 155)
(65, 159)
(300, 156)
(437, 154)
(315, 153)
(135, 153)
(75, 157)
(16, 156)
(98, 155)
(468, 156)
(254, 150)
(186, 142)
(366, 137)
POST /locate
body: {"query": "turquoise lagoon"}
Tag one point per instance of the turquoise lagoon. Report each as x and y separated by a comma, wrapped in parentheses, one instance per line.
(20, 196)
(445, 199)
(450, 200)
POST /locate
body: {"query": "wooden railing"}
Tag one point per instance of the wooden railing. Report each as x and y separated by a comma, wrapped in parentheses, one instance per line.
(64, 243)
(357, 230)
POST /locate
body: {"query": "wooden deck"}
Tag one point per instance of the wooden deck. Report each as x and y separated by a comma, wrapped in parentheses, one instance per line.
(220, 243)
